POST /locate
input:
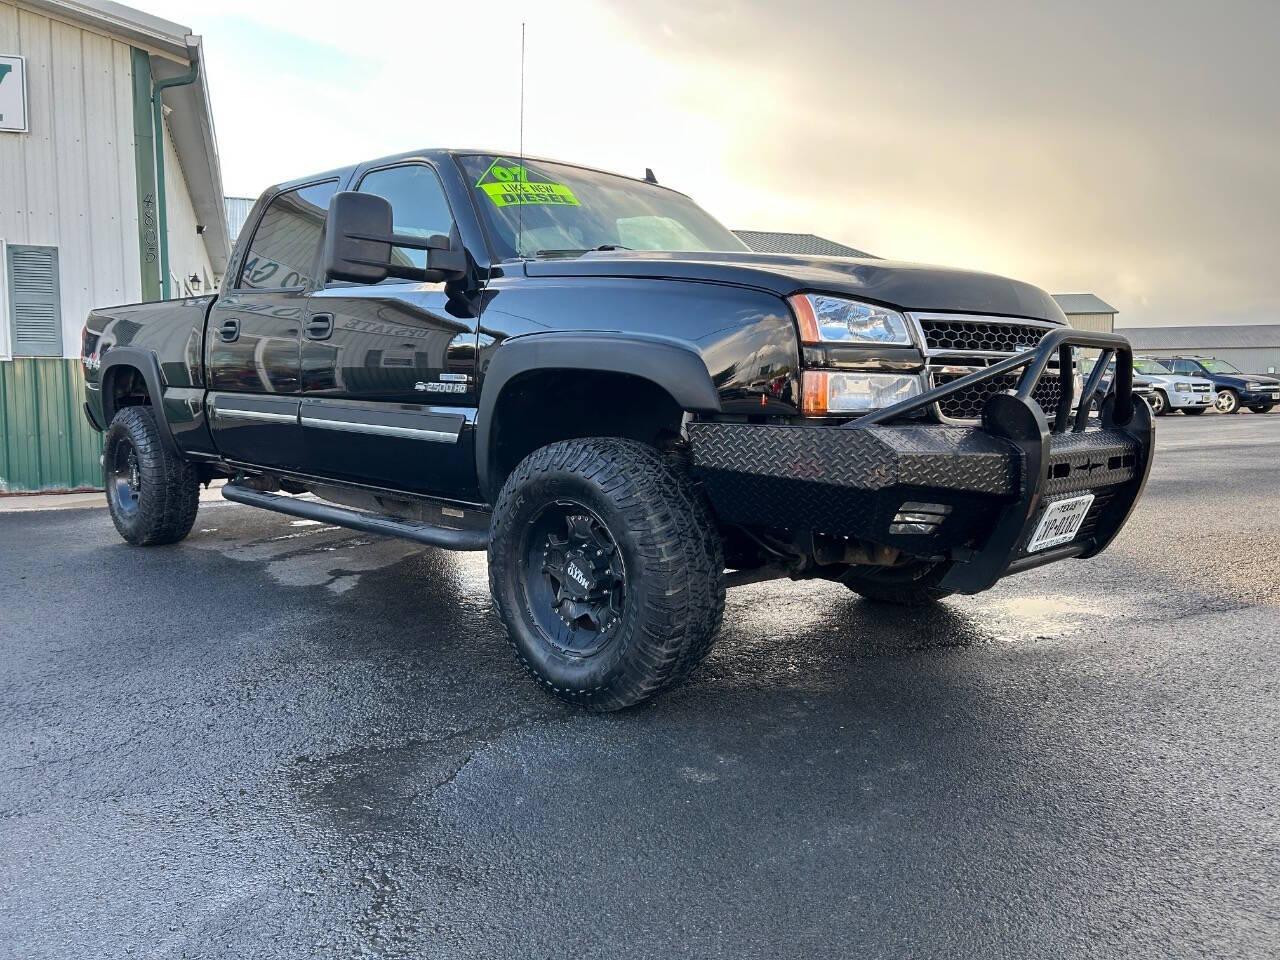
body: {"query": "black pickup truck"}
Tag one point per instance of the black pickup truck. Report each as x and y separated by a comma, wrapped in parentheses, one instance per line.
(590, 378)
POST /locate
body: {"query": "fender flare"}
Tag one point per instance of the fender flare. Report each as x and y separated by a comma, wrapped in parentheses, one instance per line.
(676, 368)
(145, 362)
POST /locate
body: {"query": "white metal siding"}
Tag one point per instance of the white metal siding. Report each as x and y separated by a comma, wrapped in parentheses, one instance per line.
(187, 253)
(70, 182)
(1096, 322)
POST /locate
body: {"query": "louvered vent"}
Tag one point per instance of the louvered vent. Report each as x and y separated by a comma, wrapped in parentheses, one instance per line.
(34, 309)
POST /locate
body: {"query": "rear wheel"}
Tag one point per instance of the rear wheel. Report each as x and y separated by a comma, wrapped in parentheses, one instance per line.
(1194, 411)
(1228, 401)
(606, 570)
(1159, 403)
(908, 585)
(1263, 408)
(152, 493)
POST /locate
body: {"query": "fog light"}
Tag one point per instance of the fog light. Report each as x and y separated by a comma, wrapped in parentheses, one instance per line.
(833, 393)
(921, 518)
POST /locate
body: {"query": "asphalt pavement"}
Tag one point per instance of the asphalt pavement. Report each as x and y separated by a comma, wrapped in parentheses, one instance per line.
(281, 739)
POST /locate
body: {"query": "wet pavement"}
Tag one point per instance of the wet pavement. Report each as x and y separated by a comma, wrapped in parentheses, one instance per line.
(280, 739)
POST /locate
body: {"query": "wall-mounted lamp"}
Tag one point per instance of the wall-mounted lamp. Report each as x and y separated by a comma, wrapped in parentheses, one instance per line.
(194, 280)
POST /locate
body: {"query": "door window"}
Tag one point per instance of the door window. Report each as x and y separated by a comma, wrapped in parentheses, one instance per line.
(286, 245)
(418, 205)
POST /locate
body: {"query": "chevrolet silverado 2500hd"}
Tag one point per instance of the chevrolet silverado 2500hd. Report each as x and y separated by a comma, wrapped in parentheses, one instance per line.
(590, 378)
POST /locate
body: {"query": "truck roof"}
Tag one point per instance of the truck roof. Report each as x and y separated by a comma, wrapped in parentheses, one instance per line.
(439, 153)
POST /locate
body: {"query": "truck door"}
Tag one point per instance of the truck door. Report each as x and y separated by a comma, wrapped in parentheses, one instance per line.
(252, 340)
(388, 370)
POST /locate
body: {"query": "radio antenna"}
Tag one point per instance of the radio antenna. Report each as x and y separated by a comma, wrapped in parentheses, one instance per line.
(521, 175)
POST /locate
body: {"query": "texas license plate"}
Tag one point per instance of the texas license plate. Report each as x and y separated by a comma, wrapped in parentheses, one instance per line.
(1060, 522)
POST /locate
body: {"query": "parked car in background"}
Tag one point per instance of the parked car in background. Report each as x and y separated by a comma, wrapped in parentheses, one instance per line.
(1233, 389)
(1142, 387)
(1169, 392)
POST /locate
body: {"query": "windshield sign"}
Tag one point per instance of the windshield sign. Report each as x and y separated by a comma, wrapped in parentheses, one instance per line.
(537, 209)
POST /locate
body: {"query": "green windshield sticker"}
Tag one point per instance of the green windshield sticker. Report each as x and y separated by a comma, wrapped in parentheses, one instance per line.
(510, 184)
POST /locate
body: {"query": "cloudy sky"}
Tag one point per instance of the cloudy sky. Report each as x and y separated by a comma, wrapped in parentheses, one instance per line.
(1123, 148)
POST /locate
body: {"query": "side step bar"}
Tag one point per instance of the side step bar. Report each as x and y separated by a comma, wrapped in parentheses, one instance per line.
(445, 537)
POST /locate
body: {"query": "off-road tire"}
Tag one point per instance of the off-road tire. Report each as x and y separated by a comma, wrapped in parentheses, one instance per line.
(915, 586)
(1194, 411)
(168, 493)
(1263, 408)
(670, 550)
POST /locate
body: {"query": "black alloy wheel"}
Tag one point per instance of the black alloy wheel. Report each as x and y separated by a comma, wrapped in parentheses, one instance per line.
(575, 582)
(123, 477)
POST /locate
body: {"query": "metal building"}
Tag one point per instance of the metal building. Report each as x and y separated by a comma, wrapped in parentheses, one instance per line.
(1254, 348)
(238, 209)
(763, 241)
(91, 212)
(1086, 312)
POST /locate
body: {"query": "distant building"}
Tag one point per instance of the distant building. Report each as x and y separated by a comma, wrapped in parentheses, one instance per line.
(1254, 348)
(237, 213)
(762, 241)
(104, 199)
(1086, 312)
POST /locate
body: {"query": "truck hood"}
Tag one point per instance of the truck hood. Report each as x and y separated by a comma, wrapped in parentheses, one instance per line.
(907, 286)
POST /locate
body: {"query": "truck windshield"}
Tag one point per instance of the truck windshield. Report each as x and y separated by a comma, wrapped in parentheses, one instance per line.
(1219, 366)
(539, 209)
(1151, 367)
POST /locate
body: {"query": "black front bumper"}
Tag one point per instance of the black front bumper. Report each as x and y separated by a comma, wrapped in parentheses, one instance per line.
(982, 489)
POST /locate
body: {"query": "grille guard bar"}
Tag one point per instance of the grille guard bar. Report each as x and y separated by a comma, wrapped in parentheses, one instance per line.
(1057, 343)
(1016, 417)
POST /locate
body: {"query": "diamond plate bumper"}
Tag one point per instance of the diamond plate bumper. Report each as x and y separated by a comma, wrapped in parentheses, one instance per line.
(996, 479)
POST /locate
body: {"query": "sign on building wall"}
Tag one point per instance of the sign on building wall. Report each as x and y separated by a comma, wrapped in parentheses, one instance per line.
(13, 94)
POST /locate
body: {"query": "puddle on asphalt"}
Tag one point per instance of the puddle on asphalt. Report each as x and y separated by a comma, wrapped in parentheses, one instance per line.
(309, 555)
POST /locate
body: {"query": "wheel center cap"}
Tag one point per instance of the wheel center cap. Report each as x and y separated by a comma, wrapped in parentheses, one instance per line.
(580, 576)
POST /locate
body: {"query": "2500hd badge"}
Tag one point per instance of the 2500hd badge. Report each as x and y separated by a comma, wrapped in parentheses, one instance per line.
(590, 378)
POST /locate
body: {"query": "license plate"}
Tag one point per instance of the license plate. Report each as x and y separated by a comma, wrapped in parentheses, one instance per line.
(1060, 522)
(1275, 396)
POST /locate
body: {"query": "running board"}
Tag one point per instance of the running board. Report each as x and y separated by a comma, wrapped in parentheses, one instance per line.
(446, 537)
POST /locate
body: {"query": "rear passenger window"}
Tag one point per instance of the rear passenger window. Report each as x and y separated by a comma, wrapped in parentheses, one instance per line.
(286, 245)
(418, 205)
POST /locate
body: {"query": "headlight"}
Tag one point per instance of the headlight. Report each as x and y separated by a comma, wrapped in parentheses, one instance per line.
(1182, 387)
(825, 393)
(1253, 387)
(826, 319)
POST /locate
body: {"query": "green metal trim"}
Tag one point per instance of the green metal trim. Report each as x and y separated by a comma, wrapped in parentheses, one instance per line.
(144, 167)
(45, 441)
(157, 123)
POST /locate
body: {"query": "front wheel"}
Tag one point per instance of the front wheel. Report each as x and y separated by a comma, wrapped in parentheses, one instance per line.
(1159, 403)
(152, 493)
(606, 570)
(1228, 401)
(1263, 408)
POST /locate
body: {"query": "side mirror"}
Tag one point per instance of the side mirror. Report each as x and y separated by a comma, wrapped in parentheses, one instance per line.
(359, 238)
